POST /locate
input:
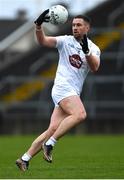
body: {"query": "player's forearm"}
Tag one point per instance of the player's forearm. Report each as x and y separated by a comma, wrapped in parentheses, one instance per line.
(40, 35)
(93, 62)
(43, 39)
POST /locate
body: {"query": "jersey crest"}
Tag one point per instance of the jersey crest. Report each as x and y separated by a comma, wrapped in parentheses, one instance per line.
(75, 60)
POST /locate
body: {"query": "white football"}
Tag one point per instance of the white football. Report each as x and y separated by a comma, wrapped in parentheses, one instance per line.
(58, 14)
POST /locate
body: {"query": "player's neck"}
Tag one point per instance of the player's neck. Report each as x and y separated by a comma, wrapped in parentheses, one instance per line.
(77, 39)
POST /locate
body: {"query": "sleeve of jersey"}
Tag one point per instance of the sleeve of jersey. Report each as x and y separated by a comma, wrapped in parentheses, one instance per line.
(59, 41)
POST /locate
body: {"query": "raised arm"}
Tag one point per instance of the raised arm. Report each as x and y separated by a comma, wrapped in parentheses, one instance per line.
(40, 34)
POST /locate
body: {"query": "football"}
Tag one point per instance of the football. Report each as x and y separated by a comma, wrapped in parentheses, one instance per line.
(58, 14)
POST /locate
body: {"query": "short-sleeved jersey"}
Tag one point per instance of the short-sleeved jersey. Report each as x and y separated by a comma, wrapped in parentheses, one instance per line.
(72, 66)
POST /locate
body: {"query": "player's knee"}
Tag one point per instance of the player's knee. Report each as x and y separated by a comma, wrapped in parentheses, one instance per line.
(81, 116)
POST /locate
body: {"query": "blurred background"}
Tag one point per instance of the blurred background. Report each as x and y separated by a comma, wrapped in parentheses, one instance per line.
(27, 70)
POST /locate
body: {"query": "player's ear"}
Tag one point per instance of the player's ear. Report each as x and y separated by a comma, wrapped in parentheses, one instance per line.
(88, 27)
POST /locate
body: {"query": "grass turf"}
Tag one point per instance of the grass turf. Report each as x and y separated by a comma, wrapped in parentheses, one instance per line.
(75, 157)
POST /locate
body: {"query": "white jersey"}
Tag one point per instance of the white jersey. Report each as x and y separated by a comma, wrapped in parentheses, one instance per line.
(72, 66)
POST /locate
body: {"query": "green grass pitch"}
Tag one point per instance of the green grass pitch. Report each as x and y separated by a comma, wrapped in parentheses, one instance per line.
(75, 157)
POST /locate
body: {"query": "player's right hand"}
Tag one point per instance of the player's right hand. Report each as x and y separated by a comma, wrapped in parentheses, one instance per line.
(42, 18)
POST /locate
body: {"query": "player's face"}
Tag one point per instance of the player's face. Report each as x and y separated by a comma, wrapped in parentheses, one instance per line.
(79, 27)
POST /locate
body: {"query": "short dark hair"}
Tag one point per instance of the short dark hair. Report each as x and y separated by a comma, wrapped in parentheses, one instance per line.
(84, 17)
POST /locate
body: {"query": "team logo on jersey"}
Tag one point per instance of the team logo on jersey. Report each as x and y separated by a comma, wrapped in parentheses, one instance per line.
(75, 60)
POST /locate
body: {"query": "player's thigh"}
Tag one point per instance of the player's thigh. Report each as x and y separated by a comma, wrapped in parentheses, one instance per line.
(57, 116)
(72, 105)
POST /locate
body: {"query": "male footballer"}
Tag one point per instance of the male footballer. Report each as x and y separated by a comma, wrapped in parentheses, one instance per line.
(77, 56)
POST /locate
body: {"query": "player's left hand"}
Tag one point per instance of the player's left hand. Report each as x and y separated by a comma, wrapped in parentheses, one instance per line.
(84, 44)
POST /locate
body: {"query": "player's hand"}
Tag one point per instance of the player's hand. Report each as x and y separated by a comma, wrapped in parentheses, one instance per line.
(42, 18)
(84, 45)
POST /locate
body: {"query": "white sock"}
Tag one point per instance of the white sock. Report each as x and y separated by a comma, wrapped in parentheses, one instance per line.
(26, 157)
(51, 141)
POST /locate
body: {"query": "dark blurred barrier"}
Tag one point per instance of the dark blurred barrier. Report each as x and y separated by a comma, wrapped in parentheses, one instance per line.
(103, 97)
